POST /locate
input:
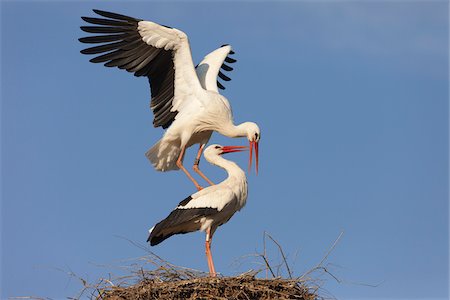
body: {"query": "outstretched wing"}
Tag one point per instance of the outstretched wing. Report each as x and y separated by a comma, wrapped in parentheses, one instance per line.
(146, 49)
(212, 66)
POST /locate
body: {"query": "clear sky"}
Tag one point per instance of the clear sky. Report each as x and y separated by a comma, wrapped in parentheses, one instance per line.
(352, 101)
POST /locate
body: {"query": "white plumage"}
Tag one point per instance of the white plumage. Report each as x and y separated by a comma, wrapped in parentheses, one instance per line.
(209, 208)
(185, 100)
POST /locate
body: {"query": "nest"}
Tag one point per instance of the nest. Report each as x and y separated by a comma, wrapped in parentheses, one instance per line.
(168, 281)
(151, 277)
(240, 287)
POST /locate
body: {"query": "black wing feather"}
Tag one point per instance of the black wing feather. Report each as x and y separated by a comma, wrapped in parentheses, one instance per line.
(102, 38)
(226, 67)
(105, 29)
(107, 22)
(103, 48)
(220, 86)
(224, 77)
(178, 222)
(111, 15)
(230, 60)
(108, 56)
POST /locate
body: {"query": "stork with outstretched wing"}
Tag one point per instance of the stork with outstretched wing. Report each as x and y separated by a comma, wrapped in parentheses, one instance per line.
(185, 100)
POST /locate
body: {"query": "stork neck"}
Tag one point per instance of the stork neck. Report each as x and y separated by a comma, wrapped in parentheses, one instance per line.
(231, 130)
(231, 167)
(236, 180)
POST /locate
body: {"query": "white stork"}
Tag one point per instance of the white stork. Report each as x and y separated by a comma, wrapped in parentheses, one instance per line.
(209, 208)
(185, 100)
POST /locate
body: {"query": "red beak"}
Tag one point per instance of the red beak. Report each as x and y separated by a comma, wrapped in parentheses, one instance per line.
(253, 145)
(229, 149)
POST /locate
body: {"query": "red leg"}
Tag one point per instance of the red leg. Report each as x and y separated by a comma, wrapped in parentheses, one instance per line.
(212, 270)
(180, 165)
(197, 162)
(207, 251)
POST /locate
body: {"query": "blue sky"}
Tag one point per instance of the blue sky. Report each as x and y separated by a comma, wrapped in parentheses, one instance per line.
(352, 101)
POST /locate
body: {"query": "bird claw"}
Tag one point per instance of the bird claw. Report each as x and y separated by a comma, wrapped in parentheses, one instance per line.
(199, 188)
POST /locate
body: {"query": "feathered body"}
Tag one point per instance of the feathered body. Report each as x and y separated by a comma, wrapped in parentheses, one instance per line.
(195, 125)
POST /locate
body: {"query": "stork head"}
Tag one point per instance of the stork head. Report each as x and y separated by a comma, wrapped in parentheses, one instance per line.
(253, 136)
(215, 150)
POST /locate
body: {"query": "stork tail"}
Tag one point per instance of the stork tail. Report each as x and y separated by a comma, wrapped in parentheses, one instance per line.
(163, 156)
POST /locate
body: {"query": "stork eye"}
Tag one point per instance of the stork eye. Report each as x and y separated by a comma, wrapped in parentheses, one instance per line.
(217, 147)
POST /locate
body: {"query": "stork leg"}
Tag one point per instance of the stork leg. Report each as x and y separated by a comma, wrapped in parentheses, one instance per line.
(180, 165)
(212, 270)
(197, 162)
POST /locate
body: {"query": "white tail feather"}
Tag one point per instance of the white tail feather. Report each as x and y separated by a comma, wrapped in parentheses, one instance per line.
(163, 156)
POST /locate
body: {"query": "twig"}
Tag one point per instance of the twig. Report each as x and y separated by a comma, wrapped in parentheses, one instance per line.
(282, 253)
(268, 265)
(332, 248)
(28, 297)
(320, 264)
(264, 253)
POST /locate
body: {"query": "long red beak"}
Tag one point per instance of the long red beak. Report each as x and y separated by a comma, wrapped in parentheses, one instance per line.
(229, 149)
(253, 145)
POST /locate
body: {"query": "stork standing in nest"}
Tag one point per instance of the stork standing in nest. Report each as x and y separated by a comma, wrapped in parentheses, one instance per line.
(209, 208)
(185, 100)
